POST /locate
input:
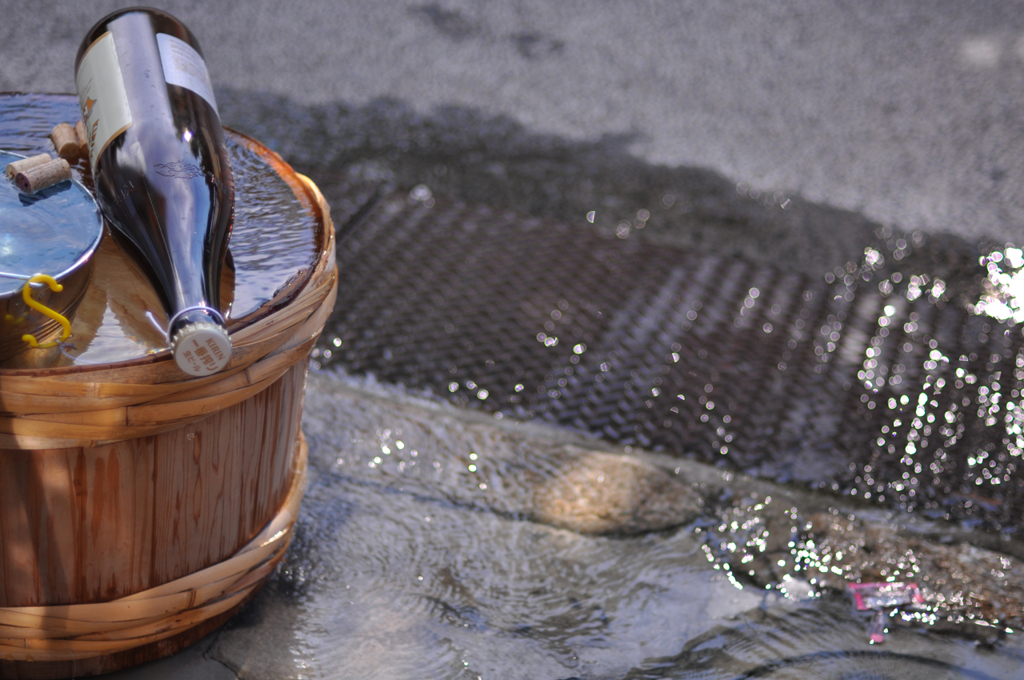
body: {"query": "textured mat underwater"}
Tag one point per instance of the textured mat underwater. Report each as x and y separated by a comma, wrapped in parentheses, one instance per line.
(897, 378)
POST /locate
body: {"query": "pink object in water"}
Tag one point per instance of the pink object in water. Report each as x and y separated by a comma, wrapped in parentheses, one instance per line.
(876, 633)
(880, 595)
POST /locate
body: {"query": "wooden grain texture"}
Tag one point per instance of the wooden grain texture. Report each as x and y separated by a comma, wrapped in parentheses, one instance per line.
(95, 524)
(57, 641)
(138, 506)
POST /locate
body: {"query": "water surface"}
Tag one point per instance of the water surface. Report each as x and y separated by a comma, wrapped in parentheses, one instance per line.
(459, 533)
(601, 261)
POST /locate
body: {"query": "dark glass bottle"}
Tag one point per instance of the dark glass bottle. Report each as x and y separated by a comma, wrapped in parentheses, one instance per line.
(161, 170)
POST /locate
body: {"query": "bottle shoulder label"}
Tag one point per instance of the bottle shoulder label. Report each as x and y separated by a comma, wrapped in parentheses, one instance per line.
(102, 95)
(185, 68)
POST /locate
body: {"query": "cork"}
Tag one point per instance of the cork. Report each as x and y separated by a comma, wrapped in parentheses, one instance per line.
(39, 177)
(65, 141)
(14, 168)
(83, 140)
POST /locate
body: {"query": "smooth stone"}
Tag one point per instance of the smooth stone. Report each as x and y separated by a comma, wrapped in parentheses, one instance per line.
(603, 493)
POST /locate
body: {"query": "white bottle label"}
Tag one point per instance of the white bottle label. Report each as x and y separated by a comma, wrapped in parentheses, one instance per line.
(101, 93)
(184, 67)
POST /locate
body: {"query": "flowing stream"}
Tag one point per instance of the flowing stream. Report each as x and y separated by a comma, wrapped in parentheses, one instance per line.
(578, 415)
(411, 563)
(470, 515)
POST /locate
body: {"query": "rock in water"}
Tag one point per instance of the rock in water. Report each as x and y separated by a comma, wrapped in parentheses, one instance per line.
(476, 461)
(602, 493)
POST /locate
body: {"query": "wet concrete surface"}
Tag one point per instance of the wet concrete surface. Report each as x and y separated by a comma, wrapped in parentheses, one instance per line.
(782, 136)
(416, 556)
(857, 381)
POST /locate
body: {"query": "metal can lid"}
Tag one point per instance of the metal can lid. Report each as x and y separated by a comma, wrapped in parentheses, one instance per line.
(51, 232)
(56, 232)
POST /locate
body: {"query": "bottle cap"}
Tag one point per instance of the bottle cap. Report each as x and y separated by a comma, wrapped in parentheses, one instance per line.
(201, 348)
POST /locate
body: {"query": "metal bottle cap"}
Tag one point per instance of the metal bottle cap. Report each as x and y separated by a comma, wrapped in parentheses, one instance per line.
(201, 348)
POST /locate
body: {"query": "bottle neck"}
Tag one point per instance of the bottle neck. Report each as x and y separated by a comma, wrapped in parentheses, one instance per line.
(193, 315)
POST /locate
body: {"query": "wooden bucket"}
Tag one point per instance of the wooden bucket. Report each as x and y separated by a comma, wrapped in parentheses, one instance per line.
(139, 509)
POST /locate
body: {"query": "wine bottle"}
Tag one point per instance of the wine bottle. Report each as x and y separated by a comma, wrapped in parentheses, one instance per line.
(160, 169)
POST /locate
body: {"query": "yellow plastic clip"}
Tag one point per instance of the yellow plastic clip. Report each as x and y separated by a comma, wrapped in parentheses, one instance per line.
(26, 293)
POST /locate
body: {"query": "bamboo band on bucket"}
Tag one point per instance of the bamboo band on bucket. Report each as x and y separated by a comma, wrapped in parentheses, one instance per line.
(80, 631)
(141, 398)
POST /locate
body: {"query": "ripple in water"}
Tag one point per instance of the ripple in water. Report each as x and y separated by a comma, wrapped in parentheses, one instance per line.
(403, 570)
(807, 643)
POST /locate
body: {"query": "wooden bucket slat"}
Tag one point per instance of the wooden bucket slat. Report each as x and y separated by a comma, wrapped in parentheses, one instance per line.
(143, 497)
(137, 472)
(66, 632)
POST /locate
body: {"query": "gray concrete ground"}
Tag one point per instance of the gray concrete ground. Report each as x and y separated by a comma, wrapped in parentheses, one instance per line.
(907, 112)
